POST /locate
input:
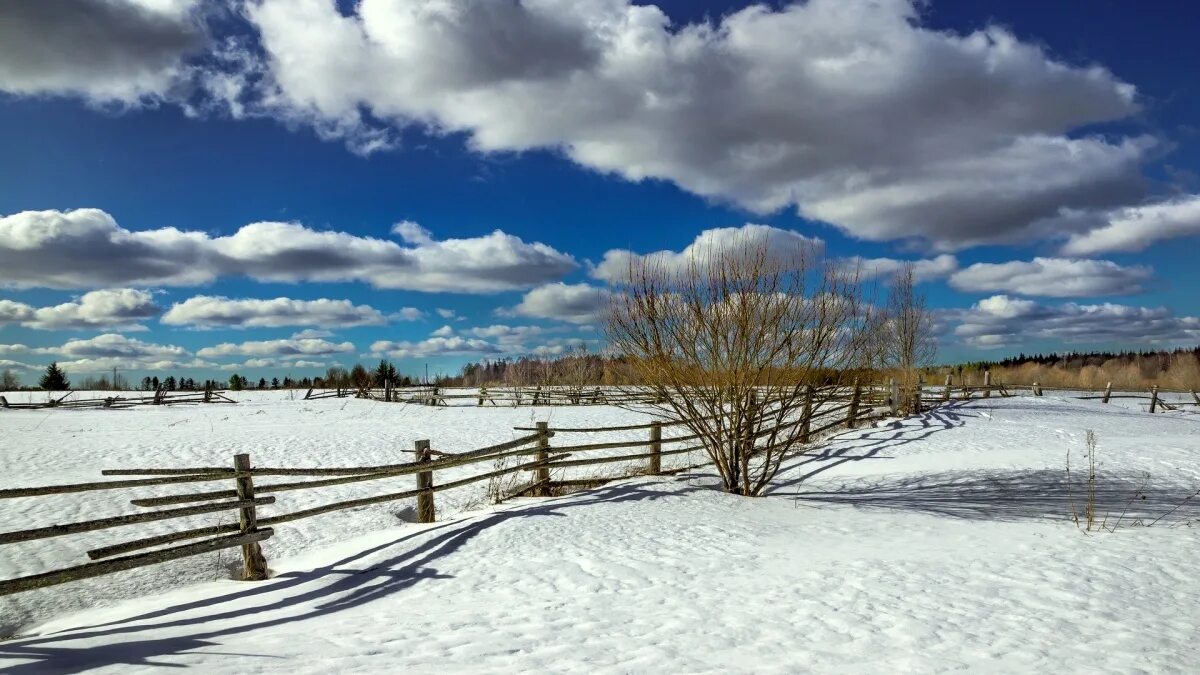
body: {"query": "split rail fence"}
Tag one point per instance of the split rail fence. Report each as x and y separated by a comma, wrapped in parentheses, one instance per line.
(160, 397)
(248, 487)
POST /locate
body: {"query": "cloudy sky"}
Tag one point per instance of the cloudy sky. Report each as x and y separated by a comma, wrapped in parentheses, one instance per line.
(276, 186)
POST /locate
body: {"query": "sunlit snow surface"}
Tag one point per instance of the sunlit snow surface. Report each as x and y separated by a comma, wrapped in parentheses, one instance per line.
(931, 544)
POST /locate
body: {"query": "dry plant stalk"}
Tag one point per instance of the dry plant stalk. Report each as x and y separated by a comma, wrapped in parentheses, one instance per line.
(729, 341)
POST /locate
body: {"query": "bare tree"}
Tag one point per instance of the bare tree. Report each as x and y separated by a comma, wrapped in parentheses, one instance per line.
(733, 344)
(908, 341)
(9, 381)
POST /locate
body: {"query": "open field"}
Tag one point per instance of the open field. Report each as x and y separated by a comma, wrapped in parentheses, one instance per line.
(941, 542)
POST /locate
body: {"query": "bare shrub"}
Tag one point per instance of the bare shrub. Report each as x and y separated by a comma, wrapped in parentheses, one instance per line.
(729, 343)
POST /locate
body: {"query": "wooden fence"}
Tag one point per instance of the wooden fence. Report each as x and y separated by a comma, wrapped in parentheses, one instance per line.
(160, 397)
(246, 490)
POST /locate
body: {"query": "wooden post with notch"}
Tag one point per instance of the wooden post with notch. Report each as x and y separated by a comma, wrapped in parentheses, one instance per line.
(541, 476)
(1107, 392)
(806, 414)
(916, 397)
(987, 384)
(425, 510)
(893, 396)
(946, 389)
(655, 448)
(855, 397)
(254, 563)
(1037, 389)
(1153, 398)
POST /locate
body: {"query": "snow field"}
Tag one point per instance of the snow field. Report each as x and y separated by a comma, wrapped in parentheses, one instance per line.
(931, 544)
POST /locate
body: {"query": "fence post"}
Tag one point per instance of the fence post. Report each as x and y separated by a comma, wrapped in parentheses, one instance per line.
(916, 399)
(425, 510)
(806, 414)
(1195, 397)
(987, 384)
(1037, 389)
(1153, 398)
(541, 475)
(254, 563)
(946, 390)
(655, 448)
(1107, 392)
(482, 394)
(854, 399)
(894, 396)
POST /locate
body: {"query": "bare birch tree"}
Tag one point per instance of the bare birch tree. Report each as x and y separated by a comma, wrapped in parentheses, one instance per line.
(730, 344)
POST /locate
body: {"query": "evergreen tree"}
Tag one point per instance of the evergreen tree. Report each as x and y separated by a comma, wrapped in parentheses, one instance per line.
(236, 382)
(55, 378)
(274, 382)
(262, 383)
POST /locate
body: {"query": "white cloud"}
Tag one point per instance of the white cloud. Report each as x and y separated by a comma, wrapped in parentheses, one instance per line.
(446, 313)
(207, 311)
(408, 314)
(1053, 277)
(86, 248)
(1136, 228)
(117, 309)
(444, 331)
(6, 364)
(851, 111)
(311, 333)
(1001, 321)
(270, 348)
(574, 303)
(923, 270)
(615, 266)
(106, 51)
(434, 346)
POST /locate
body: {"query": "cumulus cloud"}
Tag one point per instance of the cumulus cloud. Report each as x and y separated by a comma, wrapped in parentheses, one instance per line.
(311, 333)
(1136, 228)
(106, 51)
(277, 348)
(1001, 321)
(207, 311)
(850, 111)
(446, 313)
(86, 247)
(444, 331)
(116, 309)
(615, 266)
(1053, 277)
(112, 350)
(923, 270)
(574, 303)
(6, 364)
(434, 346)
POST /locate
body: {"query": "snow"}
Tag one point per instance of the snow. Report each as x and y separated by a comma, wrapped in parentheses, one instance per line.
(929, 544)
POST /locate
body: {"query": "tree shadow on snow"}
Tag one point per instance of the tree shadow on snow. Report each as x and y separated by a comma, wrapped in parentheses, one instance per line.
(1013, 496)
(867, 444)
(290, 597)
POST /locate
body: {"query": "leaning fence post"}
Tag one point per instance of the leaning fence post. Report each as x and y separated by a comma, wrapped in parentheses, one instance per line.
(254, 563)
(854, 398)
(541, 475)
(1153, 398)
(425, 510)
(1196, 397)
(987, 384)
(1107, 392)
(806, 415)
(1037, 389)
(894, 396)
(655, 448)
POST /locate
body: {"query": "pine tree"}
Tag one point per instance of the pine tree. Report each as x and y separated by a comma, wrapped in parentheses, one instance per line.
(55, 379)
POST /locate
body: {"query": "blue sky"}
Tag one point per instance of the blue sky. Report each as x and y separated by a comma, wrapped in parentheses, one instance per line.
(197, 189)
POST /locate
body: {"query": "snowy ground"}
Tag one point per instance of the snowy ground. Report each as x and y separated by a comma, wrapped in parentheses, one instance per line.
(933, 544)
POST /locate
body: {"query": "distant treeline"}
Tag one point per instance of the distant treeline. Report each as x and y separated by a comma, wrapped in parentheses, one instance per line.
(1175, 369)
